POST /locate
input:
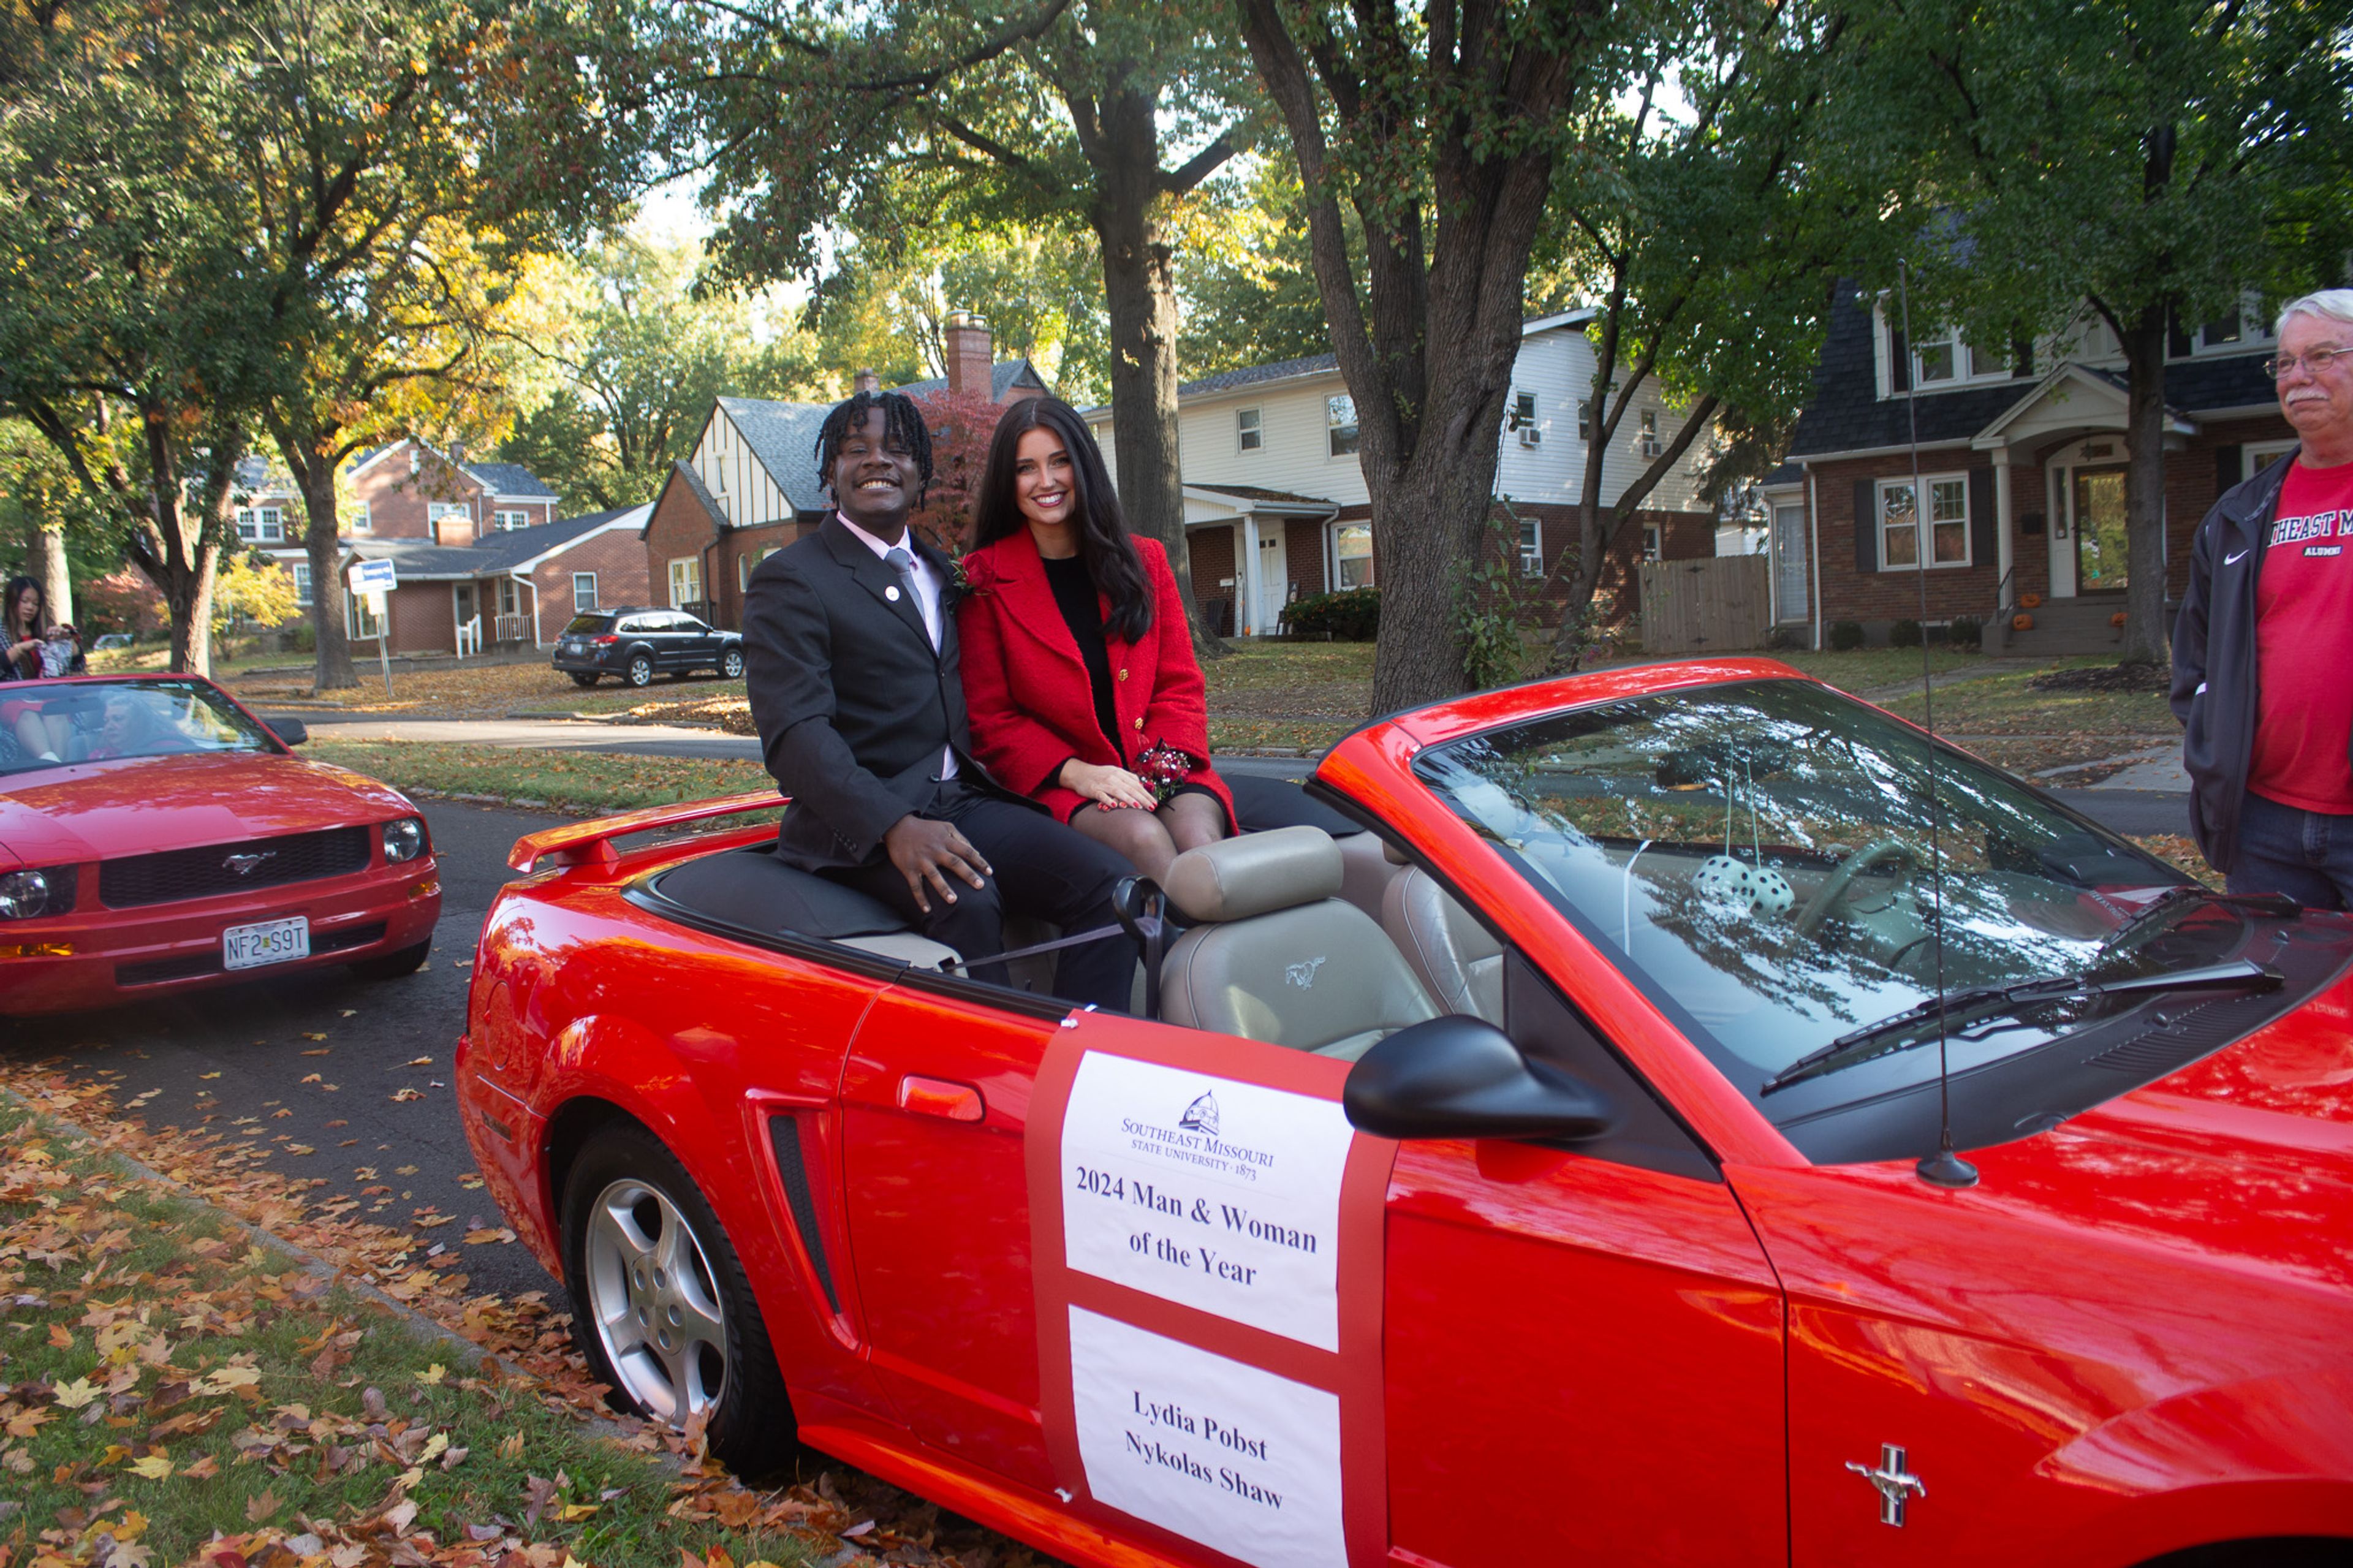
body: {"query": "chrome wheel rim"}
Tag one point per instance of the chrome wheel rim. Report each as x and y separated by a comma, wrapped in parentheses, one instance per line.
(655, 1302)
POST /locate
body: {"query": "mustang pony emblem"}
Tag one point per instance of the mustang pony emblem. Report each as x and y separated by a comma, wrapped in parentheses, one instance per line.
(1302, 973)
(1894, 1484)
(243, 865)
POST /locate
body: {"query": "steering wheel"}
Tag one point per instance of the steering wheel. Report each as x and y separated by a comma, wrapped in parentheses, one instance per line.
(1832, 892)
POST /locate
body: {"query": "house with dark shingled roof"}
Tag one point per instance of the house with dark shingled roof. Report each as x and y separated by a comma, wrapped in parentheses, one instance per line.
(483, 560)
(2022, 463)
(750, 486)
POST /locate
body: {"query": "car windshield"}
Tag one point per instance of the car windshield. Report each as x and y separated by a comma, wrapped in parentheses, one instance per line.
(1765, 861)
(48, 725)
(587, 625)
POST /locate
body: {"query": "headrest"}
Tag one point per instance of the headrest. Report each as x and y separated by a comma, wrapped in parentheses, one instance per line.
(1255, 873)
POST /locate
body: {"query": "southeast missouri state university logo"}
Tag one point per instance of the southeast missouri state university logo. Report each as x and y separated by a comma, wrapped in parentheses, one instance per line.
(1201, 1116)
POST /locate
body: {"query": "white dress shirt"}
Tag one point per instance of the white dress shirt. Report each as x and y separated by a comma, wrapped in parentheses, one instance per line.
(927, 599)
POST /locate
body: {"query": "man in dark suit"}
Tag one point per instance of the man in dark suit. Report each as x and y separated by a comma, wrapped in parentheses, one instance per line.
(850, 650)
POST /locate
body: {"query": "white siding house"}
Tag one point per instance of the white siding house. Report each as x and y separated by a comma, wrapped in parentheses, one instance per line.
(1276, 501)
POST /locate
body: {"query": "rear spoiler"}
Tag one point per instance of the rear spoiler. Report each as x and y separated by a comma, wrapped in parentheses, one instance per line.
(590, 843)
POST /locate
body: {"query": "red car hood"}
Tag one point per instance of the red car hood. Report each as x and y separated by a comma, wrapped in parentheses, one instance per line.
(146, 803)
(2247, 1154)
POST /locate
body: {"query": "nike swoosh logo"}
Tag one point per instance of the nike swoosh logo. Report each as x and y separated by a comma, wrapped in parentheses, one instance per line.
(2234, 560)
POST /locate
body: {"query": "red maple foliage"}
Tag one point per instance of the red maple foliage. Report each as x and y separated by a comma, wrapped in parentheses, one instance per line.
(961, 424)
(121, 600)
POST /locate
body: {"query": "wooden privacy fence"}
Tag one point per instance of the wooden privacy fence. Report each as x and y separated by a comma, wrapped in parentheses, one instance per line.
(1716, 604)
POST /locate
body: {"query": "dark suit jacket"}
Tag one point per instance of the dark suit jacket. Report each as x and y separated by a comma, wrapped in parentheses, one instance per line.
(853, 706)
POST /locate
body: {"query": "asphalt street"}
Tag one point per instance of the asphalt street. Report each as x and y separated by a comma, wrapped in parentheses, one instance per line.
(322, 1057)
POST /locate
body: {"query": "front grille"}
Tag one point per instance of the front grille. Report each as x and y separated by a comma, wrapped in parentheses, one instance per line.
(187, 966)
(138, 880)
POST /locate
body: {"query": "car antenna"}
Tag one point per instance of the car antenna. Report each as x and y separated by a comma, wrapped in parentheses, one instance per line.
(1944, 1168)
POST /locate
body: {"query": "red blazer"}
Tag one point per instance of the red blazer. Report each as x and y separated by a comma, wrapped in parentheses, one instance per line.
(1026, 687)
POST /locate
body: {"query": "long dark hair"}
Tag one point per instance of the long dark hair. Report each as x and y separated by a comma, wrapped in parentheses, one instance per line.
(1113, 563)
(8, 597)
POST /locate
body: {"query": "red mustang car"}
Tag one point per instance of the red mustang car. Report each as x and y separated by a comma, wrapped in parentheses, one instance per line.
(1533, 1177)
(156, 835)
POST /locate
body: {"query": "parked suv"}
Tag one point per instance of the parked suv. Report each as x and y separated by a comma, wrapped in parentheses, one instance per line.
(633, 643)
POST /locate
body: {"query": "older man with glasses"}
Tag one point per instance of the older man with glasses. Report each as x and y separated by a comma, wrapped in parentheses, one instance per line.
(2262, 650)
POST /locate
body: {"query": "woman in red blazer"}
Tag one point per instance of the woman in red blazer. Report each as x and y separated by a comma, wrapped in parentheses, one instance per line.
(1078, 661)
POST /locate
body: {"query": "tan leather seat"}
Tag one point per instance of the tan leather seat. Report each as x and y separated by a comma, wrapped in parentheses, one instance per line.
(1457, 959)
(1276, 955)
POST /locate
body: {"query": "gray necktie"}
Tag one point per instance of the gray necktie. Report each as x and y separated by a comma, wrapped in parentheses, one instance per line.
(900, 561)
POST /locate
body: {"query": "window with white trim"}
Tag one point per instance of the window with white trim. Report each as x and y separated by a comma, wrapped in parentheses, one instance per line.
(506, 520)
(1585, 420)
(358, 519)
(437, 512)
(1352, 554)
(509, 599)
(1249, 430)
(1522, 416)
(583, 591)
(1647, 442)
(260, 524)
(1650, 541)
(360, 622)
(1948, 522)
(2261, 454)
(1340, 424)
(1531, 547)
(685, 581)
(301, 570)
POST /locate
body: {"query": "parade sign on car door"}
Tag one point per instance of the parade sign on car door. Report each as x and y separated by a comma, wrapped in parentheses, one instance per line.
(1207, 1232)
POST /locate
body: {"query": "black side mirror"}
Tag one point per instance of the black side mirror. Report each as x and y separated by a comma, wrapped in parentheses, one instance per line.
(292, 732)
(1460, 1077)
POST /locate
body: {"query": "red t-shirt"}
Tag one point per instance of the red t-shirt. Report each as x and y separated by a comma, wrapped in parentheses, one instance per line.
(2304, 641)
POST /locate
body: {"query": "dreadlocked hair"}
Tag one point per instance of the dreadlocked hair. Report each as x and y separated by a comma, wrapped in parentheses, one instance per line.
(903, 421)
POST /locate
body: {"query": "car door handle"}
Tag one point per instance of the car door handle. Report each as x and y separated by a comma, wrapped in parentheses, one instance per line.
(939, 1096)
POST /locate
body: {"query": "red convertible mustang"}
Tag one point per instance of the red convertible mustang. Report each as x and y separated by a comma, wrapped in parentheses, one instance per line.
(156, 837)
(1535, 1176)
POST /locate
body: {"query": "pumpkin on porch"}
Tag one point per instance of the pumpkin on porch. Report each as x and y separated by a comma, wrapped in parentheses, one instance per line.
(2030, 601)
(2117, 619)
(2021, 622)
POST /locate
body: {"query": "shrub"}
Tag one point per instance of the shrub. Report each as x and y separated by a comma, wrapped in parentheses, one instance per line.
(1846, 636)
(1349, 614)
(1967, 631)
(1903, 634)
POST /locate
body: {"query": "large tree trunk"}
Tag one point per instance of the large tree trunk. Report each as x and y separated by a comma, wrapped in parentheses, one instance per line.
(45, 561)
(2145, 638)
(1140, 295)
(188, 595)
(315, 473)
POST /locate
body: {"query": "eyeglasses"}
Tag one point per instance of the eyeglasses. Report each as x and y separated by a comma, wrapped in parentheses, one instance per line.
(2318, 362)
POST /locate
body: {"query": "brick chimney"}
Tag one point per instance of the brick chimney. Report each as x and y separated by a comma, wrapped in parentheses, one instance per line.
(969, 354)
(867, 381)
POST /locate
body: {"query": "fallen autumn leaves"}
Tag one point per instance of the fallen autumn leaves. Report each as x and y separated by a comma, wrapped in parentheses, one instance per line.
(172, 1391)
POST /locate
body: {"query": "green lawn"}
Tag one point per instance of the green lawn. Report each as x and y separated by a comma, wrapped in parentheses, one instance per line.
(589, 784)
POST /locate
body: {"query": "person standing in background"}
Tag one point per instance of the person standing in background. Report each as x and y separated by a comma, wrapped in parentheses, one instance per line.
(2265, 635)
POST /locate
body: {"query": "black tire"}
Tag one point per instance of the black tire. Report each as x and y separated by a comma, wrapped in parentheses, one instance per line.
(619, 1198)
(393, 966)
(642, 671)
(583, 678)
(730, 665)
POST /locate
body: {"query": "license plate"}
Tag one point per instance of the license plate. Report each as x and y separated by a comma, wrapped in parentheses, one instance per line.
(271, 942)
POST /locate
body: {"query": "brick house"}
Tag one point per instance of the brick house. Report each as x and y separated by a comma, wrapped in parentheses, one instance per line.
(514, 589)
(2021, 456)
(1275, 503)
(477, 545)
(751, 487)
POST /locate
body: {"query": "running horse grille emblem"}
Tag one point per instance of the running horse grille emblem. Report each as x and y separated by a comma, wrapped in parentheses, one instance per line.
(1302, 973)
(245, 865)
(1894, 1484)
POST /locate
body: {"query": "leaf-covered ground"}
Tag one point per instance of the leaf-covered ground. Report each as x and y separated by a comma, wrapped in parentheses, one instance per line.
(172, 1392)
(588, 783)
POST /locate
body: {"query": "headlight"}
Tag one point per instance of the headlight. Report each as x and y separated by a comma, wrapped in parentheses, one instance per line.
(404, 839)
(24, 894)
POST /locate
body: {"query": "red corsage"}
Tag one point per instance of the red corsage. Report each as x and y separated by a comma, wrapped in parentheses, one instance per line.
(971, 576)
(1164, 767)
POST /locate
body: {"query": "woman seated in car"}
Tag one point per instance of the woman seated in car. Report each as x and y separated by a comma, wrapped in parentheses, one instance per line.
(1078, 661)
